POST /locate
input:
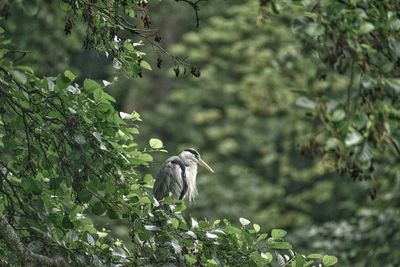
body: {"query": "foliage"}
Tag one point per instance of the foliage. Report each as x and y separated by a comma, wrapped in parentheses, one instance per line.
(30, 40)
(242, 116)
(357, 39)
(365, 239)
(350, 240)
(68, 155)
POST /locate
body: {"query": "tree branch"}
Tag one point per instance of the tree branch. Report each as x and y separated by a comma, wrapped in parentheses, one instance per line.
(196, 8)
(29, 258)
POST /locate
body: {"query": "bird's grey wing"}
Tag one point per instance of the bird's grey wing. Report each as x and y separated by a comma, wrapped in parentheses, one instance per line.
(170, 179)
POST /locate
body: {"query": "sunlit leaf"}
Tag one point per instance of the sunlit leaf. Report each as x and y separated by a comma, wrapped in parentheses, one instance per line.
(155, 143)
(329, 260)
(278, 233)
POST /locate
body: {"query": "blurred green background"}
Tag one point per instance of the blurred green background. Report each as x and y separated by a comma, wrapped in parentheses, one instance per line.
(243, 115)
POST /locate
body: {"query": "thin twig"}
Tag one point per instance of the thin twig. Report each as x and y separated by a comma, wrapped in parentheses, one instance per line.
(349, 87)
(196, 8)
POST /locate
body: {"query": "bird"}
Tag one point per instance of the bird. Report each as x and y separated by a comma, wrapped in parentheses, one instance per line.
(178, 174)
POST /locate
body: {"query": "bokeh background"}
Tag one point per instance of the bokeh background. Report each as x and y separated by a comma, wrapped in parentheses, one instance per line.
(244, 116)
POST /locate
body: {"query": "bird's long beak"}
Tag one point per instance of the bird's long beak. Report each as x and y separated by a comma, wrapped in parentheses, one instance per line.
(205, 165)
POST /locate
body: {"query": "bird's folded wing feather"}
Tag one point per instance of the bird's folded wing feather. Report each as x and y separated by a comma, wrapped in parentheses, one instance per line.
(169, 179)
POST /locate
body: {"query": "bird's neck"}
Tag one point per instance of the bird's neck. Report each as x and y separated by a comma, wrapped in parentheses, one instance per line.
(191, 173)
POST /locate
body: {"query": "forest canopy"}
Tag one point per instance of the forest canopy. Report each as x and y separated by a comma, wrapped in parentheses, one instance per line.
(295, 104)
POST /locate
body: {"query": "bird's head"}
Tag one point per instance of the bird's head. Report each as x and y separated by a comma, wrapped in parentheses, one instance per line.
(191, 156)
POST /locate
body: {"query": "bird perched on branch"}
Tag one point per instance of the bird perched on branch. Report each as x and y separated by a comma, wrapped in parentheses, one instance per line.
(178, 176)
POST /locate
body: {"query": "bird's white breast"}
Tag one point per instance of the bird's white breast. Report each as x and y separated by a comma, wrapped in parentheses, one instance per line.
(191, 173)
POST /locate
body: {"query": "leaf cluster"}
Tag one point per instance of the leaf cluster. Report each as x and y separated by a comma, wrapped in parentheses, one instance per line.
(67, 155)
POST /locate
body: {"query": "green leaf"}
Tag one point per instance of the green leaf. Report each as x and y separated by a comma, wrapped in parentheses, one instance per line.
(64, 6)
(262, 237)
(112, 214)
(267, 256)
(261, 259)
(353, 138)
(233, 230)
(332, 143)
(71, 76)
(84, 195)
(102, 234)
(110, 185)
(80, 138)
(244, 221)
(190, 260)
(315, 256)
(148, 179)
(91, 85)
(394, 83)
(130, 12)
(145, 65)
(155, 143)
(366, 28)
(109, 97)
(125, 116)
(360, 121)
(366, 153)
(278, 245)
(301, 92)
(305, 102)
(19, 76)
(211, 235)
(329, 260)
(300, 261)
(90, 240)
(256, 227)
(98, 208)
(31, 185)
(278, 233)
(212, 262)
(66, 222)
(338, 115)
(98, 94)
(26, 69)
(315, 29)
(145, 200)
(175, 222)
(152, 228)
(145, 158)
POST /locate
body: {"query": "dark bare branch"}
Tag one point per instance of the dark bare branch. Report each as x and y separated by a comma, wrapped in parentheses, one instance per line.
(196, 8)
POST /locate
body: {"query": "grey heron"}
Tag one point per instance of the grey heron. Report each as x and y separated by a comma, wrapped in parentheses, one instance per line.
(178, 176)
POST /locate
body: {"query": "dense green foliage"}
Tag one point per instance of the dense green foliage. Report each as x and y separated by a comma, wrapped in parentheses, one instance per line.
(351, 240)
(296, 100)
(68, 157)
(238, 116)
(271, 113)
(359, 40)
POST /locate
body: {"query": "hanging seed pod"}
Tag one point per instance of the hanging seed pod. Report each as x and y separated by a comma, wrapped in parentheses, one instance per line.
(157, 38)
(69, 23)
(159, 62)
(5, 11)
(195, 71)
(176, 70)
(87, 14)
